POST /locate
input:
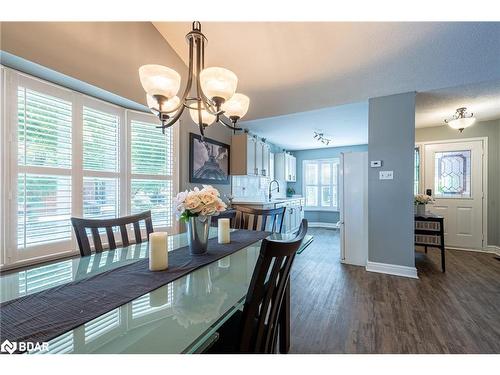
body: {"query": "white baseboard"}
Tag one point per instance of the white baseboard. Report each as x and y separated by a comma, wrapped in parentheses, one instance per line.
(317, 224)
(493, 249)
(392, 269)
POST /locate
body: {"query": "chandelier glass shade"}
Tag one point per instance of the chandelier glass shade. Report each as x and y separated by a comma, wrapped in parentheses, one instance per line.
(158, 80)
(218, 83)
(237, 106)
(167, 106)
(202, 116)
(461, 120)
(209, 94)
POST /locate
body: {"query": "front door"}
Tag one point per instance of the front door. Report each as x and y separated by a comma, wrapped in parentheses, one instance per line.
(454, 173)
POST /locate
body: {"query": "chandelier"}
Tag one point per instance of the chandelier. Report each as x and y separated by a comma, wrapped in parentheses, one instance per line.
(461, 119)
(210, 93)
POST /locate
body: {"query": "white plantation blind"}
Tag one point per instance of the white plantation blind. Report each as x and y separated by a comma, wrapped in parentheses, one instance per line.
(320, 184)
(44, 130)
(151, 168)
(100, 197)
(73, 155)
(100, 141)
(150, 149)
(44, 144)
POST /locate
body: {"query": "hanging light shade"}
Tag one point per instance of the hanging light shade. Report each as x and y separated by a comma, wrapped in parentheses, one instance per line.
(206, 88)
(461, 120)
(158, 80)
(237, 106)
(206, 117)
(218, 84)
(167, 106)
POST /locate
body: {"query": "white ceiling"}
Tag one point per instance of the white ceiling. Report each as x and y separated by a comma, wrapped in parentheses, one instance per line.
(292, 67)
(482, 99)
(345, 125)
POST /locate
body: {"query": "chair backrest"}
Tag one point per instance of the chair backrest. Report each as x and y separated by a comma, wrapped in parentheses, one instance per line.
(265, 294)
(260, 219)
(80, 226)
(228, 214)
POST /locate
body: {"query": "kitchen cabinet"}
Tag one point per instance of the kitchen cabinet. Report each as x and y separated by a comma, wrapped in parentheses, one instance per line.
(249, 156)
(285, 167)
(266, 160)
(294, 211)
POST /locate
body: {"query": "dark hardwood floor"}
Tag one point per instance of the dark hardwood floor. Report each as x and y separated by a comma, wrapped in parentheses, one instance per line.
(337, 308)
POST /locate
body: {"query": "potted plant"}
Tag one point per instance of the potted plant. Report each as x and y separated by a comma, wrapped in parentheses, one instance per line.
(195, 207)
(420, 201)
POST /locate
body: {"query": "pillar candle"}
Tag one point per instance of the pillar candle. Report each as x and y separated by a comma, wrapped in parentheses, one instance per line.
(223, 231)
(158, 251)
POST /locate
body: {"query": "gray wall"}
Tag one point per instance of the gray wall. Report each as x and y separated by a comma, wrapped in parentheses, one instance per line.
(391, 138)
(491, 130)
(320, 153)
(107, 55)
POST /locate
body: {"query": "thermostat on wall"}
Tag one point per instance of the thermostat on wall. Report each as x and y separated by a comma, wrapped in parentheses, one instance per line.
(376, 163)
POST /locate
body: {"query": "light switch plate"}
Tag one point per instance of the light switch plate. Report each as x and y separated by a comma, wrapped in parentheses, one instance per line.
(385, 175)
(376, 163)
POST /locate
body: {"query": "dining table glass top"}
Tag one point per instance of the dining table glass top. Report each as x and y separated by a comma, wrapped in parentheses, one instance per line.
(178, 317)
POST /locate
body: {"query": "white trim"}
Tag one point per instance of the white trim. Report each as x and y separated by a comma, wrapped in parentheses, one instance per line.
(484, 173)
(392, 269)
(318, 224)
(493, 249)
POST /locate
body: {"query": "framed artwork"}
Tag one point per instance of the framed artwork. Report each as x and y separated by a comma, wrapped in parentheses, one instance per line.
(208, 161)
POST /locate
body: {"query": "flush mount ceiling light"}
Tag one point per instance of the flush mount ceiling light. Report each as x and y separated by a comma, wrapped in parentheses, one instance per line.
(321, 138)
(461, 119)
(214, 90)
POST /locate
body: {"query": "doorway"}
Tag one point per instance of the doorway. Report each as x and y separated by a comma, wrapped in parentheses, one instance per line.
(453, 173)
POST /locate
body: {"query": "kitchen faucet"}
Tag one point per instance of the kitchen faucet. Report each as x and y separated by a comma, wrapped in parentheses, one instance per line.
(277, 188)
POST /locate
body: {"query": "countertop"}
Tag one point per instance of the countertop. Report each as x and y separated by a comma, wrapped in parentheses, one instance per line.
(258, 202)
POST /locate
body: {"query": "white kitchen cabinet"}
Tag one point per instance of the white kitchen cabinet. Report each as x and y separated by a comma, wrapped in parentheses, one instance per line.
(294, 213)
(258, 158)
(249, 156)
(266, 157)
(285, 167)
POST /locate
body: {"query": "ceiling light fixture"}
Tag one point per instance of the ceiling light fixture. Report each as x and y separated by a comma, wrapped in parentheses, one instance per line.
(461, 119)
(214, 100)
(321, 138)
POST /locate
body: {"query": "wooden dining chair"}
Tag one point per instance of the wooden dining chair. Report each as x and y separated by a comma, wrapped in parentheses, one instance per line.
(80, 226)
(228, 214)
(260, 219)
(255, 329)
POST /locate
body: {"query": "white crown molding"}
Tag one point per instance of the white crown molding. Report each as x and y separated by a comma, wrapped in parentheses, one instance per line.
(392, 269)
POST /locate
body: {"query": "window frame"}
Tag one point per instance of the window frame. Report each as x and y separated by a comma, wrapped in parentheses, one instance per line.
(334, 183)
(11, 79)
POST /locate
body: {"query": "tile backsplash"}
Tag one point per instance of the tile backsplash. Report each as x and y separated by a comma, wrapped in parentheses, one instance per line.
(254, 187)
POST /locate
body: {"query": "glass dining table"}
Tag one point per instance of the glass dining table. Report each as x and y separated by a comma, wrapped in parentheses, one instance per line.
(182, 316)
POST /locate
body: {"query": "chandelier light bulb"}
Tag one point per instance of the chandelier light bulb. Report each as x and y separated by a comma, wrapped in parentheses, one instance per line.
(166, 106)
(159, 80)
(218, 84)
(206, 117)
(237, 106)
